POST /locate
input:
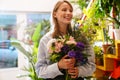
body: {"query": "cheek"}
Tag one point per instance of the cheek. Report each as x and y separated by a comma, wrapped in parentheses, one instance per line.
(58, 16)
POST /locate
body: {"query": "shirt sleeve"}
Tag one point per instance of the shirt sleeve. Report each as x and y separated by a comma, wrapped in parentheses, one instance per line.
(88, 68)
(43, 68)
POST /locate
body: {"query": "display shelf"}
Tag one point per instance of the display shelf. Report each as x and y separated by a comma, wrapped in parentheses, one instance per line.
(108, 64)
(117, 45)
(100, 67)
(109, 61)
(114, 56)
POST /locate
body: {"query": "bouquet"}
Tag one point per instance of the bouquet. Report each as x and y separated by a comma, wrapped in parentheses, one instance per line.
(68, 45)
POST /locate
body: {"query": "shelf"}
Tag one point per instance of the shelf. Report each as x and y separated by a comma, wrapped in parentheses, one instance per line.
(103, 68)
(109, 60)
(100, 67)
(108, 64)
(114, 56)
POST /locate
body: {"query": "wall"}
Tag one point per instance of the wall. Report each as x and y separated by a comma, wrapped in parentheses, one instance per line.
(27, 5)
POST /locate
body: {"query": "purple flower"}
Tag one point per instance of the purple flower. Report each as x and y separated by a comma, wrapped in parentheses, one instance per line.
(65, 49)
(79, 55)
(71, 53)
(80, 45)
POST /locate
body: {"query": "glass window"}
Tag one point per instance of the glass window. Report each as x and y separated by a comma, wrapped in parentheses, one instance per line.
(10, 25)
(37, 17)
(8, 53)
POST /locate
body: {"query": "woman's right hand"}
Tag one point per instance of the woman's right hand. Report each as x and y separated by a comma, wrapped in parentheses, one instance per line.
(66, 63)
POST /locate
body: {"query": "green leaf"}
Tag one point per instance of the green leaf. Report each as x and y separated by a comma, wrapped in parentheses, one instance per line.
(36, 34)
(19, 46)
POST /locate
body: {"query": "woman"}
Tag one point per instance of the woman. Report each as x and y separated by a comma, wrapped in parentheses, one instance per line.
(62, 16)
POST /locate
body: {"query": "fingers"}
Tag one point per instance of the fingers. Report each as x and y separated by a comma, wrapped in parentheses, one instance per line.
(66, 63)
(70, 63)
(73, 72)
(65, 57)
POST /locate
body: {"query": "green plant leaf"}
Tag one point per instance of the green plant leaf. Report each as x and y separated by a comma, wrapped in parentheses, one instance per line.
(19, 46)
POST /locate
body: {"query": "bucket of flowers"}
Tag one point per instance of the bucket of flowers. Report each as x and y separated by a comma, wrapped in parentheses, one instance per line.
(72, 45)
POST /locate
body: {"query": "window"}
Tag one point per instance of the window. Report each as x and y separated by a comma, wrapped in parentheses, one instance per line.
(8, 53)
(12, 26)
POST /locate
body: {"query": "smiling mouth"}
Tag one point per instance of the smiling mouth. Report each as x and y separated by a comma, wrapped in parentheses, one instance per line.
(68, 18)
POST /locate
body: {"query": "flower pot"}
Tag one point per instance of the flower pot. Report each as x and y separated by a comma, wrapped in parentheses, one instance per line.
(105, 48)
(117, 34)
(99, 61)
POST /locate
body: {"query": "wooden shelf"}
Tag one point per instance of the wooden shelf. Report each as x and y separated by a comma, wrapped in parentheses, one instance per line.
(114, 56)
(100, 67)
(109, 61)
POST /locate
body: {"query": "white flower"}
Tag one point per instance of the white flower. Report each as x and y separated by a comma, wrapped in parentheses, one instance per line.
(71, 41)
(49, 45)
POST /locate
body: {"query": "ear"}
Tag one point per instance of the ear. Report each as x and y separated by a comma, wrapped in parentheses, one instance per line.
(54, 14)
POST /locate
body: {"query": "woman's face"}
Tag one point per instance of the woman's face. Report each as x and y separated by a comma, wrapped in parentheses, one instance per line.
(64, 14)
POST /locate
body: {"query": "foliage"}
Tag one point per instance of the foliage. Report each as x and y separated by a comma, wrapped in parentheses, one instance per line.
(31, 53)
(94, 10)
(93, 29)
(41, 29)
(106, 6)
(94, 22)
(81, 3)
(107, 39)
(31, 58)
(98, 51)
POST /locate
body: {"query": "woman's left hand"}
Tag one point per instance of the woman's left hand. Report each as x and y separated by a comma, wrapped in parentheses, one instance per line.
(73, 72)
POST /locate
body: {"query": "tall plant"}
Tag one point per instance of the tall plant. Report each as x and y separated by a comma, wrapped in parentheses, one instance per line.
(94, 22)
(31, 52)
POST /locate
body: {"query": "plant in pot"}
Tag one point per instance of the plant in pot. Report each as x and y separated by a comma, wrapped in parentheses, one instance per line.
(98, 55)
(31, 51)
(109, 43)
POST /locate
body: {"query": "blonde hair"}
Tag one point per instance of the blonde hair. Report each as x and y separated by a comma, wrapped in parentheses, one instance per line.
(56, 32)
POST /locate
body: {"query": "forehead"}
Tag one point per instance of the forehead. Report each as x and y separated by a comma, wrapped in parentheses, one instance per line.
(65, 5)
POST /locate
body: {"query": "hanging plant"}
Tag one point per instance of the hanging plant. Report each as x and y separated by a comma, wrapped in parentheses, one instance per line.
(107, 5)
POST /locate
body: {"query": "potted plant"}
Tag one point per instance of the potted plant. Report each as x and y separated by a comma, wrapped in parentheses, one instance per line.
(106, 40)
(98, 55)
(31, 52)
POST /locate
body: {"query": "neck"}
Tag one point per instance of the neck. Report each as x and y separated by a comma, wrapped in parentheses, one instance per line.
(63, 29)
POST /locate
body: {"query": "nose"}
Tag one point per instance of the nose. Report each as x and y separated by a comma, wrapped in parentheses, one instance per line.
(69, 12)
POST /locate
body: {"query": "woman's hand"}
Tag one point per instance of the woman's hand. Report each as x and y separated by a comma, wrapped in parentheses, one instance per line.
(66, 63)
(73, 72)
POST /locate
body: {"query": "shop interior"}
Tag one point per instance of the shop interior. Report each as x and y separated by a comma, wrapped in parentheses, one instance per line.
(21, 22)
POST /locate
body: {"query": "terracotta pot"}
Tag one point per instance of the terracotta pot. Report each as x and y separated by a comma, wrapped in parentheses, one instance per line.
(105, 47)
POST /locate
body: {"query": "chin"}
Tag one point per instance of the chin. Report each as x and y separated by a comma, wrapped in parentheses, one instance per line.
(67, 22)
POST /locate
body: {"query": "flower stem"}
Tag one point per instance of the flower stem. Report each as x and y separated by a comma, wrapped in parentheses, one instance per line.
(67, 76)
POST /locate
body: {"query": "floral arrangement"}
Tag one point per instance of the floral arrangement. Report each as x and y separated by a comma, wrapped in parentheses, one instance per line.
(73, 46)
(67, 46)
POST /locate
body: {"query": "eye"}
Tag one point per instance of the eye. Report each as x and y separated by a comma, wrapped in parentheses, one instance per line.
(64, 9)
(70, 10)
